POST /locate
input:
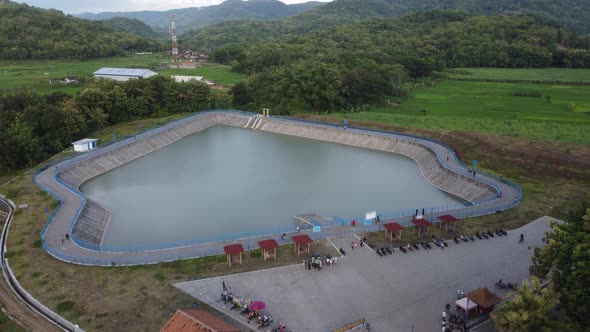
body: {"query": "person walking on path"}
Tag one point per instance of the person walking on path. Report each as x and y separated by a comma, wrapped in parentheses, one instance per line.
(223, 285)
(62, 239)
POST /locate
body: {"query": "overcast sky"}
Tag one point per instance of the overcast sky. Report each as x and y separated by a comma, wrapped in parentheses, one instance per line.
(95, 6)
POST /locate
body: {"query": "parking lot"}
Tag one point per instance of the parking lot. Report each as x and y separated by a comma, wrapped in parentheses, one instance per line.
(398, 292)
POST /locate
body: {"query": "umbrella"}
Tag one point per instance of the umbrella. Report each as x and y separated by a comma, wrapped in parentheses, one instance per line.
(257, 305)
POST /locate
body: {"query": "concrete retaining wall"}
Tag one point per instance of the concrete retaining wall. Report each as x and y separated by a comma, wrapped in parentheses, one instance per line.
(94, 219)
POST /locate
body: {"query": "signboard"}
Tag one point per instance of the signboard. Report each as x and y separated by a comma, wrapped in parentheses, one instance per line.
(317, 229)
(371, 215)
(474, 162)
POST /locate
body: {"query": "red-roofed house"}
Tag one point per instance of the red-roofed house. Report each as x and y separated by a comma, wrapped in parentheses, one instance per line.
(191, 320)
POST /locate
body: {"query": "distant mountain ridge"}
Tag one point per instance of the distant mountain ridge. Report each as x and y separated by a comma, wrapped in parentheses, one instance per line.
(33, 33)
(574, 14)
(131, 25)
(198, 17)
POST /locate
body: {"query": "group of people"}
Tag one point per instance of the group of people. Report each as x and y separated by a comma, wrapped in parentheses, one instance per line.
(354, 244)
(66, 237)
(319, 262)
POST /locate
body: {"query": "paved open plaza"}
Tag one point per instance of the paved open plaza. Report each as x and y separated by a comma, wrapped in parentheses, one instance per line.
(399, 292)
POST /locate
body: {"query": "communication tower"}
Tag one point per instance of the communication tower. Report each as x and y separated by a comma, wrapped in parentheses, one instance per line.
(174, 52)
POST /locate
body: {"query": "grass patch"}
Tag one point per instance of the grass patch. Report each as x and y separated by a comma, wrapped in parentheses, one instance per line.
(65, 306)
(525, 75)
(12, 192)
(7, 325)
(121, 130)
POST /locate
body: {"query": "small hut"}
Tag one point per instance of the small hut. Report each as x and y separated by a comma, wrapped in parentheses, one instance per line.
(392, 228)
(267, 246)
(233, 249)
(421, 224)
(302, 243)
(447, 219)
(485, 300)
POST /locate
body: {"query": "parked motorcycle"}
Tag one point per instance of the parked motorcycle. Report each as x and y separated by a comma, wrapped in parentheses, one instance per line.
(264, 321)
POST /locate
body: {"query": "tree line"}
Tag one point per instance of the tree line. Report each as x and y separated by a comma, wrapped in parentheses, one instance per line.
(350, 65)
(35, 126)
(33, 33)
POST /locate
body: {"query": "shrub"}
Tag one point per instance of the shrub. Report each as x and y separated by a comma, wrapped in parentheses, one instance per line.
(65, 306)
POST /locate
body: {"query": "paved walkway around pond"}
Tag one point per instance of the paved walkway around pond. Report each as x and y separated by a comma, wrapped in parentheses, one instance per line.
(393, 293)
(71, 252)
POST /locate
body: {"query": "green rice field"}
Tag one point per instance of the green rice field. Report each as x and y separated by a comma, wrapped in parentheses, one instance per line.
(493, 108)
(526, 74)
(37, 74)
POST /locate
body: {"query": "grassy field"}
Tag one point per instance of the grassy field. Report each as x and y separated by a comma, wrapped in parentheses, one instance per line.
(36, 74)
(526, 74)
(493, 108)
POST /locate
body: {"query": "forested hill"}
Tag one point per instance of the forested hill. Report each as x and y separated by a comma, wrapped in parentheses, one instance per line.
(358, 64)
(574, 14)
(194, 18)
(133, 26)
(32, 33)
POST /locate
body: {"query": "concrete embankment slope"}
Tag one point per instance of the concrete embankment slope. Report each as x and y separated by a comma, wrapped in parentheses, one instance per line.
(87, 221)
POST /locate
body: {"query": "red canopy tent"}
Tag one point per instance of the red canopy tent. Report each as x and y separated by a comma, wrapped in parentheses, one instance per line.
(392, 227)
(302, 242)
(421, 224)
(233, 249)
(447, 219)
(267, 245)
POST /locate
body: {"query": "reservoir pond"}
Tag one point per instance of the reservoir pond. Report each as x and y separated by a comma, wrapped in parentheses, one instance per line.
(227, 180)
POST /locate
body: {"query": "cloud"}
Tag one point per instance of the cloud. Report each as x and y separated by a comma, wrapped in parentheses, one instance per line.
(95, 6)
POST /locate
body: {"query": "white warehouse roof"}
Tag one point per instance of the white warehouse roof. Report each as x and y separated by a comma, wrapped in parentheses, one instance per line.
(125, 72)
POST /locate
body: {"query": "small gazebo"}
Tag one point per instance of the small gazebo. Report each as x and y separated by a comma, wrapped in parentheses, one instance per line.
(485, 299)
(447, 219)
(420, 225)
(302, 243)
(267, 246)
(391, 228)
(233, 249)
